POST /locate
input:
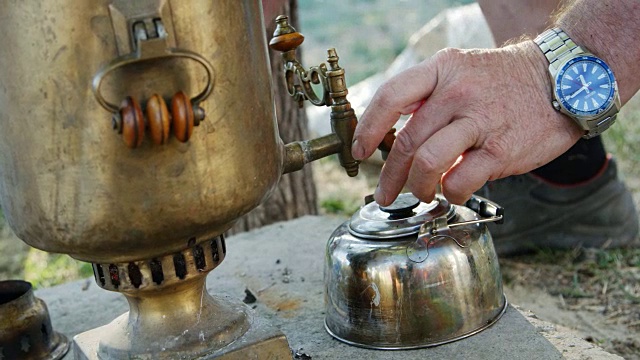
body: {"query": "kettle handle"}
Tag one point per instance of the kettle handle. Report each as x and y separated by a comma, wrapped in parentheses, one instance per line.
(439, 227)
(488, 210)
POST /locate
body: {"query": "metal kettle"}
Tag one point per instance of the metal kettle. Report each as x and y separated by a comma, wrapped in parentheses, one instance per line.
(413, 274)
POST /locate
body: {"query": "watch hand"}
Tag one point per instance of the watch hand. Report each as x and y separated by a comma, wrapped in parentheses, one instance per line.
(584, 83)
(577, 92)
(577, 83)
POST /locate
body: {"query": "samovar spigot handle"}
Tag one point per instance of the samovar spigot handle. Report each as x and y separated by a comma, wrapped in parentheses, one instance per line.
(334, 94)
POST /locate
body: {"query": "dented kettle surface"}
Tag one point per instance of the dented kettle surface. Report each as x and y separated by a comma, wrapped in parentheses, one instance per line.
(412, 291)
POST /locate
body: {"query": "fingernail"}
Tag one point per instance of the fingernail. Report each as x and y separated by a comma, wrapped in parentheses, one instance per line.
(357, 151)
(379, 196)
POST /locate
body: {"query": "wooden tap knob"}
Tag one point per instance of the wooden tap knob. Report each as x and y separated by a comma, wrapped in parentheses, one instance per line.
(285, 37)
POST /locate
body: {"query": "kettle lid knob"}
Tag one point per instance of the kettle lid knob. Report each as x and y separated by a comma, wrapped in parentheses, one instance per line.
(402, 207)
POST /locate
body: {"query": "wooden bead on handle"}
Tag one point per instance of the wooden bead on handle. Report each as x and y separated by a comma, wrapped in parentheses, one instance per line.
(182, 114)
(159, 119)
(132, 122)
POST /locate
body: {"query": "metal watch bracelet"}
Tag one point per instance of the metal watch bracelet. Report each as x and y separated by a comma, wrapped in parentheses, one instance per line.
(556, 46)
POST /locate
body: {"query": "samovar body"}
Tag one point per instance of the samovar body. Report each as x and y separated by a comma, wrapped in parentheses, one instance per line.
(68, 183)
(132, 135)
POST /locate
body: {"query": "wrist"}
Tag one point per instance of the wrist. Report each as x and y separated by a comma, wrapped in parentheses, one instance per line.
(609, 30)
(537, 67)
(584, 87)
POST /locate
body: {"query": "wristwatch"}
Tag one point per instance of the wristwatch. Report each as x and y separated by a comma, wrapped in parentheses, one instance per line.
(584, 87)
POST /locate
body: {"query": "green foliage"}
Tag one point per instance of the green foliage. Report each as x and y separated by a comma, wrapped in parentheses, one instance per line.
(332, 206)
(623, 139)
(336, 206)
(609, 259)
(581, 273)
(44, 269)
(631, 297)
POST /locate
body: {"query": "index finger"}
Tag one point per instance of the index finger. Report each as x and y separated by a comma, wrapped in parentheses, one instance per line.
(399, 95)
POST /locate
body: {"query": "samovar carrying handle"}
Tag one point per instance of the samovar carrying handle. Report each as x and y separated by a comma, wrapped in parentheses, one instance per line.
(151, 43)
(138, 56)
(334, 94)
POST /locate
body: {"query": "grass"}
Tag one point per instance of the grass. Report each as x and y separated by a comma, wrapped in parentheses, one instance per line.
(577, 272)
(335, 206)
(43, 269)
(592, 283)
(624, 138)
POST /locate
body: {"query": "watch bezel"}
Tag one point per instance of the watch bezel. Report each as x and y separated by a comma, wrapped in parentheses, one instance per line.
(564, 104)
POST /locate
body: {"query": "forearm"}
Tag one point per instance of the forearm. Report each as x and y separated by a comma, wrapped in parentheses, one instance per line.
(610, 30)
(510, 19)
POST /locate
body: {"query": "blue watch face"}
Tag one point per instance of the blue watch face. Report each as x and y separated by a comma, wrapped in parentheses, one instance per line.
(585, 86)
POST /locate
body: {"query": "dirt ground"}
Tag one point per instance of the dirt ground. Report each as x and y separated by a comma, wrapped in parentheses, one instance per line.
(596, 293)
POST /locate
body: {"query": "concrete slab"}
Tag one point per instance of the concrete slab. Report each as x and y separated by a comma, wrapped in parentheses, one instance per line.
(282, 266)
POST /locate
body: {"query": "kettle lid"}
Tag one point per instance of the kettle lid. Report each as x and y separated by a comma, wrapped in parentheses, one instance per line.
(403, 217)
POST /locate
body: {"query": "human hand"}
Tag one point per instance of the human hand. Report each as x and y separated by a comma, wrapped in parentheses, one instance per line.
(477, 115)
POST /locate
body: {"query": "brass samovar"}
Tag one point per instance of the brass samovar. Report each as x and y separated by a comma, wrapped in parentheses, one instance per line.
(133, 134)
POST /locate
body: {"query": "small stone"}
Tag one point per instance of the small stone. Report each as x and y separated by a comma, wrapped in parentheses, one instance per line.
(249, 298)
(299, 354)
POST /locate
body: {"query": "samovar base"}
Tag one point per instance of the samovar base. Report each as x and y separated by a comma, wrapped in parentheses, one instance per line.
(172, 316)
(261, 341)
